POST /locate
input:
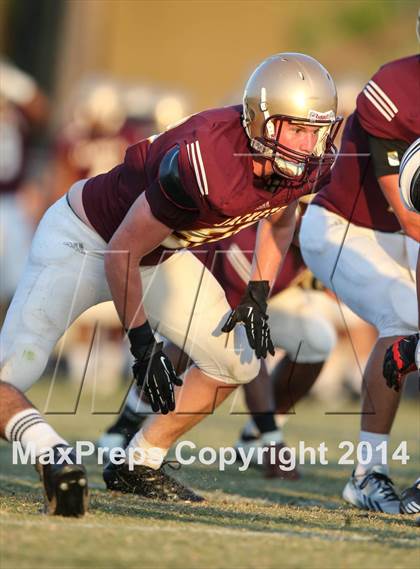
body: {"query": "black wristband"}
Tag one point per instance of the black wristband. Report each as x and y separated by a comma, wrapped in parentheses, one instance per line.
(258, 291)
(260, 287)
(140, 339)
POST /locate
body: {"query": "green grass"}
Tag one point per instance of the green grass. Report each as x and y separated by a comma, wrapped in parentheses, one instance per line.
(245, 522)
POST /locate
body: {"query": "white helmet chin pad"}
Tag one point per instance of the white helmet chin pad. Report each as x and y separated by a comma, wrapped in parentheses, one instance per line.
(290, 169)
(293, 169)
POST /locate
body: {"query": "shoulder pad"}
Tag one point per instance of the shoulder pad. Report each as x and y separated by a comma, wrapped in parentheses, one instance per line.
(170, 180)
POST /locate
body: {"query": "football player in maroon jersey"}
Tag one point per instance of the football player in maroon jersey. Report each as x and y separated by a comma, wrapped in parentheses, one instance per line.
(116, 235)
(359, 240)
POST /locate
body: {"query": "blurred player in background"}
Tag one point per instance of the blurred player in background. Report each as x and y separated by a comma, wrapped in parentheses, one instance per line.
(204, 179)
(297, 326)
(23, 108)
(403, 356)
(103, 117)
(359, 239)
(101, 120)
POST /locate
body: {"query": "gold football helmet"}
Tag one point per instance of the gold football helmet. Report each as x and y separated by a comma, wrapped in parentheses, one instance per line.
(295, 88)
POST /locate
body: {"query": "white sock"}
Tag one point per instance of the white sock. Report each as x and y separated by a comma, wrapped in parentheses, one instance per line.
(135, 404)
(29, 428)
(373, 440)
(250, 430)
(272, 438)
(146, 454)
(281, 420)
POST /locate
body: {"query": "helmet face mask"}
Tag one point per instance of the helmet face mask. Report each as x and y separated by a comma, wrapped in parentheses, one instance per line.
(292, 89)
(290, 162)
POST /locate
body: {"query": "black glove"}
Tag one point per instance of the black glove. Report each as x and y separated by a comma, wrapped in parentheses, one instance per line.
(400, 360)
(152, 369)
(252, 311)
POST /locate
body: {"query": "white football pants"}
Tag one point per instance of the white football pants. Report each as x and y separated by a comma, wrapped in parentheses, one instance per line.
(373, 272)
(300, 324)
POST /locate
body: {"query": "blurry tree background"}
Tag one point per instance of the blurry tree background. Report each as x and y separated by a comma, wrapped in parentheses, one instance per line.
(205, 48)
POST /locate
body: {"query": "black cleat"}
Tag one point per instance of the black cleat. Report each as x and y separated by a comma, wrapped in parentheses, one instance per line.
(410, 499)
(65, 486)
(147, 482)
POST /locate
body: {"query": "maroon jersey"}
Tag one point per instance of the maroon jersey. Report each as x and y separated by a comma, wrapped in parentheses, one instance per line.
(230, 262)
(388, 108)
(216, 171)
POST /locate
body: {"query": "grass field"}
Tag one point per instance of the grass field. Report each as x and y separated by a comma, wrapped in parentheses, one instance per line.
(245, 522)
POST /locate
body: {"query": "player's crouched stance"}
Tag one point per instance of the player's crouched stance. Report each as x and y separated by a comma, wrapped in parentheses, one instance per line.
(403, 356)
(202, 180)
(64, 481)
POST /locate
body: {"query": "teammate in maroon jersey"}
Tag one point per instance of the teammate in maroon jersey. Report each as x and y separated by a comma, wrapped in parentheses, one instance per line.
(403, 356)
(359, 239)
(297, 325)
(200, 181)
(103, 118)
